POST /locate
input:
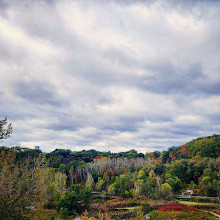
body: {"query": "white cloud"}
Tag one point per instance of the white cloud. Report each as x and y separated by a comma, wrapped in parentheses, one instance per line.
(109, 75)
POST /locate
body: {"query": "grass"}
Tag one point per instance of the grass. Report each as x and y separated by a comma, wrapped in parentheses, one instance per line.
(186, 215)
(196, 203)
(129, 208)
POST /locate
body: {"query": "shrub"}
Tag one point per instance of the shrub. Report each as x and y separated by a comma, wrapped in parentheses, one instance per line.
(154, 215)
(142, 197)
(99, 206)
(145, 208)
(176, 207)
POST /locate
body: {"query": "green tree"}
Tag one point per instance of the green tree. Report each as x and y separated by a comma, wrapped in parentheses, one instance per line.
(5, 129)
(203, 147)
(156, 154)
(175, 183)
(90, 181)
(166, 191)
(141, 174)
(76, 200)
(121, 184)
(50, 196)
(100, 185)
(152, 173)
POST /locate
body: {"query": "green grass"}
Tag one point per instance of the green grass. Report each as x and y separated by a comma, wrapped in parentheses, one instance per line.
(196, 203)
(129, 208)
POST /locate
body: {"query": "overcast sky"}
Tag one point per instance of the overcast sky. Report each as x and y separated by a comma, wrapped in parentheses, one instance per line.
(109, 75)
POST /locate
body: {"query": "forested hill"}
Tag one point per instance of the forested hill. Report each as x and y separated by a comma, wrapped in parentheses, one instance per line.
(54, 178)
(65, 159)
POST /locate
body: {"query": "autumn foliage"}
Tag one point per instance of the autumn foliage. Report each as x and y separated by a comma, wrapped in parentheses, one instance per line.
(153, 180)
(111, 172)
(152, 155)
(125, 171)
(184, 150)
(176, 207)
(105, 175)
(171, 155)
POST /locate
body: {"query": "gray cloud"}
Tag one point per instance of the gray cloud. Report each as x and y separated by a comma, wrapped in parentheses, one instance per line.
(109, 75)
(37, 92)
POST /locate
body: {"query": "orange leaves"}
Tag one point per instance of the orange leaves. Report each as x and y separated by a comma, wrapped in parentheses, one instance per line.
(111, 172)
(142, 197)
(124, 171)
(108, 173)
(171, 155)
(184, 150)
(105, 175)
(152, 155)
(153, 180)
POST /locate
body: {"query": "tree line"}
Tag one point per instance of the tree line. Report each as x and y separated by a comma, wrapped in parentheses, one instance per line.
(64, 179)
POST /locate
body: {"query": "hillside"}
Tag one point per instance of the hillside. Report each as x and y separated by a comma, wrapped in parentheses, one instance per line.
(130, 175)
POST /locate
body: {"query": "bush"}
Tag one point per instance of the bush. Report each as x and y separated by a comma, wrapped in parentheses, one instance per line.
(186, 215)
(154, 215)
(176, 207)
(146, 208)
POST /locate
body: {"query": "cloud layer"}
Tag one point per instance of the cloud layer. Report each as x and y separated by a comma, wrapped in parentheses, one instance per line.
(109, 75)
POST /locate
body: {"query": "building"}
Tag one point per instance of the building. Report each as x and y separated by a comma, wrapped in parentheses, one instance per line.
(37, 148)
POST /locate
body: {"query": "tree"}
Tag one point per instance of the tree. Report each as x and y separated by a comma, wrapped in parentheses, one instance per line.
(5, 129)
(152, 155)
(166, 191)
(50, 196)
(105, 175)
(141, 174)
(100, 185)
(76, 200)
(175, 183)
(121, 184)
(156, 154)
(152, 173)
(203, 147)
(184, 151)
(172, 156)
(90, 181)
(21, 185)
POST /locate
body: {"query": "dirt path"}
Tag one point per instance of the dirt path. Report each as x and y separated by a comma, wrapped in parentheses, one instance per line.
(147, 216)
(213, 213)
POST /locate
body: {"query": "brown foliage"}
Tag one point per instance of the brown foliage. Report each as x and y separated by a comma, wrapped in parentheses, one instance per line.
(171, 155)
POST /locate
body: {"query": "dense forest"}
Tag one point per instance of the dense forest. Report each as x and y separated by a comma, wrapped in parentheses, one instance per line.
(65, 181)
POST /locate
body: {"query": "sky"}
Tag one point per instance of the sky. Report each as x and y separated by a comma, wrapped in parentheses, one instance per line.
(109, 74)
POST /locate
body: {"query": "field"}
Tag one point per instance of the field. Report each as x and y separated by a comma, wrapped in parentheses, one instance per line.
(196, 203)
(120, 208)
(182, 211)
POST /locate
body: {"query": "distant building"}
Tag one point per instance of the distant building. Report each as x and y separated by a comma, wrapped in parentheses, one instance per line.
(37, 147)
(188, 192)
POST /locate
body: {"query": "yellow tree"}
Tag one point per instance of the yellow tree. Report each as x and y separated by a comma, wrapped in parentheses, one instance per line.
(21, 185)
